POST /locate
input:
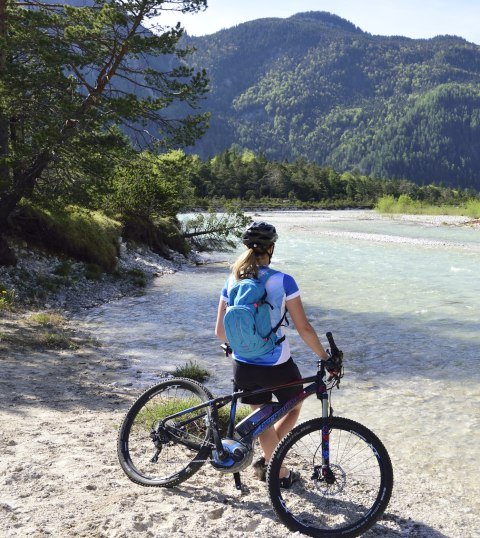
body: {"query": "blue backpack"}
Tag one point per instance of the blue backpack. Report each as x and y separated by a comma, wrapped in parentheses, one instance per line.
(247, 321)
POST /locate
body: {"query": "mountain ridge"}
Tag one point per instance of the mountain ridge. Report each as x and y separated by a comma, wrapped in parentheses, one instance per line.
(316, 86)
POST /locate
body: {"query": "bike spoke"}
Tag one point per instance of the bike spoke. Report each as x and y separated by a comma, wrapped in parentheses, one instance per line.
(174, 443)
(312, 502)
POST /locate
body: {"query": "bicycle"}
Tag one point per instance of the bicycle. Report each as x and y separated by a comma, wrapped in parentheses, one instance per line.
(346, 476)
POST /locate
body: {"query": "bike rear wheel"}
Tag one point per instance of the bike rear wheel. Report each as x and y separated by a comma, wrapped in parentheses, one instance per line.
(153, 456)
(360, 488)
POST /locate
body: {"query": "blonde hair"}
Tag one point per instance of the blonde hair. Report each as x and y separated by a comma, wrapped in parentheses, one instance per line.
(247, 264)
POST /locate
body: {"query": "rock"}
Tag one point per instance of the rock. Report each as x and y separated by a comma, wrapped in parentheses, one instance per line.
(216, 513)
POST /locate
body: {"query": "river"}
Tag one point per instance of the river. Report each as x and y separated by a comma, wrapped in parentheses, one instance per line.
(402, 299)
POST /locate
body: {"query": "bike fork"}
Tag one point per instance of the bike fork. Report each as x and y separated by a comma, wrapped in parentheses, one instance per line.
(327, 473)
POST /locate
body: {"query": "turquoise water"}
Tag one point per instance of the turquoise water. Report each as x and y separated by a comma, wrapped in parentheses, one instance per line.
(402, 300)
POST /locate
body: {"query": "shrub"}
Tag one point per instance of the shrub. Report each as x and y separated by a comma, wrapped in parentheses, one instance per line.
(160, 234)
(55, 340)
(151, 185)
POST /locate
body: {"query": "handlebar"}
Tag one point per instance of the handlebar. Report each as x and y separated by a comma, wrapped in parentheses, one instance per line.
(333, 346)
(334, 364)
(226, 349)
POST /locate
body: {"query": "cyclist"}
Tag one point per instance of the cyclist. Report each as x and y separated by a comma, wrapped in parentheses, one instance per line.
(276, 367)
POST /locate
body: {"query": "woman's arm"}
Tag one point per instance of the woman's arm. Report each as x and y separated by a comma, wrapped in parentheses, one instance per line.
(305, 330)
(219, 328)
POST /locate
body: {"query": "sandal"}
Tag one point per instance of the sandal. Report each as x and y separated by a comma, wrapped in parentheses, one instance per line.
(288, 481)
(260, 469)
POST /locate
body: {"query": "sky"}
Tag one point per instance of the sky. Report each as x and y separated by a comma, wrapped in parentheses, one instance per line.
(411, 18)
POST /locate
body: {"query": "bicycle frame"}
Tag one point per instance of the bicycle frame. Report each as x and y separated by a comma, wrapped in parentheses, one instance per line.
(317, 386)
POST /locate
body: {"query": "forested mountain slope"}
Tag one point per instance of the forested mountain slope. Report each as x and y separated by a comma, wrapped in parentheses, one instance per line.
(315, 86)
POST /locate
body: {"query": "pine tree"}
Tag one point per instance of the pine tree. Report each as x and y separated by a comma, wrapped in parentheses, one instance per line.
(69, 71)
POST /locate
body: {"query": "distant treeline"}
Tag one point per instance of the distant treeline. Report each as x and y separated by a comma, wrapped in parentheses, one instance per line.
(256, 181)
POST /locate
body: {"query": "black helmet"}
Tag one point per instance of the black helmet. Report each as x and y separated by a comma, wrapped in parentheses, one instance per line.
(259, 234)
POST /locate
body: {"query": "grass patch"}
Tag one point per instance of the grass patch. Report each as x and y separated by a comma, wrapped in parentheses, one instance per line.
(405, 205)
(192, 370)
(85, 235)
(48, 319)
(55, 340)
(149, 415)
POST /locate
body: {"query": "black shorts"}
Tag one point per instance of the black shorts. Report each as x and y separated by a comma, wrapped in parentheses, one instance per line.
(254, 377)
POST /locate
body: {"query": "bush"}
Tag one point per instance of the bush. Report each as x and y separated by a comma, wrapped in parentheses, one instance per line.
(151, 185)
(160, 234)
(55, 340)
(138, 277)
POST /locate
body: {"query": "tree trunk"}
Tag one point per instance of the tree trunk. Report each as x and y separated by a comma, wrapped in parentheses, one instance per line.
(23, 187)
(4, 169)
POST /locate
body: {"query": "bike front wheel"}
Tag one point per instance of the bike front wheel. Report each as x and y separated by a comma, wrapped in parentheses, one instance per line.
(355, 494)
(155, 452)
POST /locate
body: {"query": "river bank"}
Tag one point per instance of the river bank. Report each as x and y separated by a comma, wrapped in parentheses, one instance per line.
(60, 409)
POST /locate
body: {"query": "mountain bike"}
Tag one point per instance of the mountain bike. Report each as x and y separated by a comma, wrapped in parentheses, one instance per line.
(345, 474)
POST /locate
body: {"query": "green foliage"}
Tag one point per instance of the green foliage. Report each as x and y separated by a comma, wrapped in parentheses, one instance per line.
(69, 78)
(7, 298)
(472, 209)
(55, 340)
(274, 185)
(176, 405)
(215, 231)
(80, 233)
(151, 185)
(138, 277)
(49, 319)
(192, 370)
(404, 204)
(314, 86)
(160, 233)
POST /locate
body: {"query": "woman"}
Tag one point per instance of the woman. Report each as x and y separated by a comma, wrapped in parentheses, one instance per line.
(275, 367)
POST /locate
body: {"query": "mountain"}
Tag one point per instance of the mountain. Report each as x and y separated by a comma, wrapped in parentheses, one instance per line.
(317, 87)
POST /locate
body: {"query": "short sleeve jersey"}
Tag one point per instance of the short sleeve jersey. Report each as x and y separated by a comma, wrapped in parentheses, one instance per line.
(280, 288)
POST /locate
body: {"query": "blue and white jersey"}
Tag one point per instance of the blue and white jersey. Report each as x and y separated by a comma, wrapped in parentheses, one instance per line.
(280, 288)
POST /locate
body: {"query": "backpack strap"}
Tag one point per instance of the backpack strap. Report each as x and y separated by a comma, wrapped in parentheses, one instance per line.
(268, 273)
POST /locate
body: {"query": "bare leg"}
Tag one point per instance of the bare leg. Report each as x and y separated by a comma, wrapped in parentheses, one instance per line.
(285, 424)
(270, 438)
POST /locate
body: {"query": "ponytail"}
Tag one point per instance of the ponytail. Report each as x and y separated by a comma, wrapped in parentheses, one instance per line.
(246, 265)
